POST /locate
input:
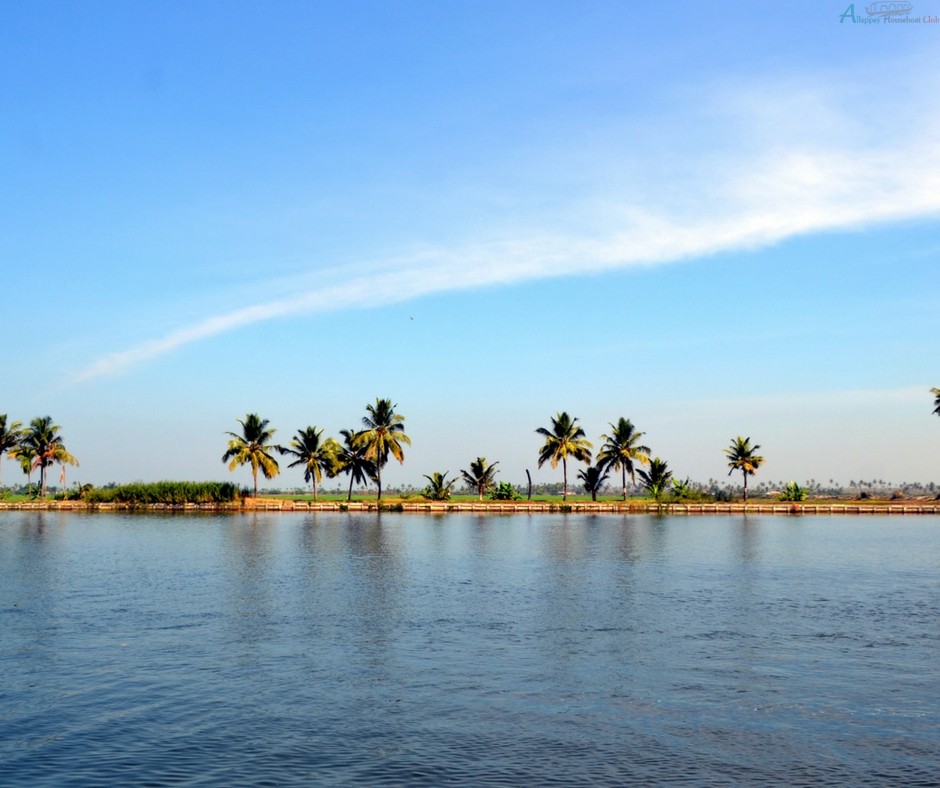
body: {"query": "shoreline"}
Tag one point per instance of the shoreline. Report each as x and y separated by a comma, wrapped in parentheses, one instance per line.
(490, 507)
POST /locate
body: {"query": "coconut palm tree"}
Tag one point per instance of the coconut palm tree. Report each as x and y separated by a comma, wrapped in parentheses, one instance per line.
(9, 437)
(42, 439)
(351, 459)
(253, 447)
(565, 439)
(481, 475)
(742, 457)
(25, 456)
(384, 434)
(936, 401)
(622, 449)
(656, 478)
(438, 488)
(316, 458)
(593, 478)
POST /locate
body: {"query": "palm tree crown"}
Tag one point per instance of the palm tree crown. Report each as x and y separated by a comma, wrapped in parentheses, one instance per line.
(384, 434)
(315, 457)
(252, 447)
(742, 457)
(622, 449)
(936, 400)
(481, 475)
(351, 459)
(42, 440)
(565, 439)
(9, 436)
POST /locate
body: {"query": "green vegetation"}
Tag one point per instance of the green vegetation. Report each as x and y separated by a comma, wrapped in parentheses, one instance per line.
(656, 479)
(792, 492)
(742, 457)
(438, 488)
(564, 439)
(384, 434)
(936, 401)
(622, 450)
(167, 492)
(481, 475)
(252, 447)
(504, 491)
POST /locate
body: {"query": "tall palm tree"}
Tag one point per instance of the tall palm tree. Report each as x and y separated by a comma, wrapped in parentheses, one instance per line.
(351, 459)
(9, 437)
(593, 478)
(622, 449)
(252, 447)
(42, 439)
(936, 401)
(742, 457)
(317, 458)
(656, 478)
(481, 475)
(384, 434)
(565, 439)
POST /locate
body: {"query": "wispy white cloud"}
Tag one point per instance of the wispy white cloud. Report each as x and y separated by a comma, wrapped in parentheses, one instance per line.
(827, 164)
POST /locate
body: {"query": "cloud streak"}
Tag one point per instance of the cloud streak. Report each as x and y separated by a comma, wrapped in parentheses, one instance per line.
(786, 184)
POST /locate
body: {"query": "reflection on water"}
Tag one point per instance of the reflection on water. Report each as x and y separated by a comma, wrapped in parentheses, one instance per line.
(530, 649)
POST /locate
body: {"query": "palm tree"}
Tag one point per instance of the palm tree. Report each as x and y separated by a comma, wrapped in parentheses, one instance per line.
(565, 439)
(25, 456)
(622, 449)
(384, 434)
(481, 475)
(438, 488)
(42, 439)
(741, 457)
(593, 478)
(351, 459)
(315, 457)
(253, 447)
(656, 478)
(936, 401)
(9, 437)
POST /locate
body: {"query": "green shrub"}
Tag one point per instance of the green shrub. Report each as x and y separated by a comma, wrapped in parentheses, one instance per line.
(504, 491)
(792, 492)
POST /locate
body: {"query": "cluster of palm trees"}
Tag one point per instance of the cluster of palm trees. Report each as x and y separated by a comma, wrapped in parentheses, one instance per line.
(623, 451)
(37, 446)
(362, 454)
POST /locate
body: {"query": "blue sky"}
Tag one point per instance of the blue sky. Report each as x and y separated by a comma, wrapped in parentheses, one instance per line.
(712, 221)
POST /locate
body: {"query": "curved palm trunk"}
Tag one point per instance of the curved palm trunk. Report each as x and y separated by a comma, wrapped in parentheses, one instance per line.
(42, 481)
(378, 480)
(314, 489)
(564, 467)
(623, 478)
(480, 490)
(349, 497)
(745, 486)
(254, 473)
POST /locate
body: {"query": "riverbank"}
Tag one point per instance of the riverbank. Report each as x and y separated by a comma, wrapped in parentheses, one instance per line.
(499, 507)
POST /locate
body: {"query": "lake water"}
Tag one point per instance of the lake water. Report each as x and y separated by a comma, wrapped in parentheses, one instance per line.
(394, 649)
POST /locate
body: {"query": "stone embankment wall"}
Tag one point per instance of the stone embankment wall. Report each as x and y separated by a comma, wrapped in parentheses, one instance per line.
(495, 507)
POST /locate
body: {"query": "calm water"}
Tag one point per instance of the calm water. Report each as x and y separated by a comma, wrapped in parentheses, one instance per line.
(340, 649)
